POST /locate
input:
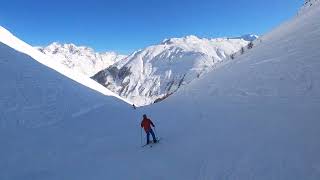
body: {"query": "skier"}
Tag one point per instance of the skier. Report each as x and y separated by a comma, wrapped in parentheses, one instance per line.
(146, 125)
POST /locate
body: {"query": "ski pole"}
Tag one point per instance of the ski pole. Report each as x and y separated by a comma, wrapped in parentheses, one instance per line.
(141, 136)
(155, 131)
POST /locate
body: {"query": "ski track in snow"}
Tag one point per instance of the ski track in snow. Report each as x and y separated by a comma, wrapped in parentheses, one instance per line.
(86, 110)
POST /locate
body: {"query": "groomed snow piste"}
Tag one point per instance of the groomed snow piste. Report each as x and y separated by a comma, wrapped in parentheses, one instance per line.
(253, 118)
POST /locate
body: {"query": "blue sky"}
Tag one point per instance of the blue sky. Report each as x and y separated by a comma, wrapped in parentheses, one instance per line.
(125, 26)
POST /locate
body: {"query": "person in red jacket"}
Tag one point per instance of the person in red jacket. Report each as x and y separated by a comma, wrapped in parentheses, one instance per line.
(146, 125)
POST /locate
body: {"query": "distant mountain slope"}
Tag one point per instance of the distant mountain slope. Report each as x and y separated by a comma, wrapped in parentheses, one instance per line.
(80, 58)
(157, 71)
(10, 40)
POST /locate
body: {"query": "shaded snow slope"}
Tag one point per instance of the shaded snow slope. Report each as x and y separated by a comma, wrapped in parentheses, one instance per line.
(33, 95)
(157, 71)
(44, 120)
(80, 58)
(8, 39)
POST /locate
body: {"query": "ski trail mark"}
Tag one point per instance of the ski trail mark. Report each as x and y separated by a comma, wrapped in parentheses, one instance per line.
(86, 110)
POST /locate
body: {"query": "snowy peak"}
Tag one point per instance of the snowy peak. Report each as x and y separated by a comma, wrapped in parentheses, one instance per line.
(192, 39)
(187, 39)
(56, 47)
(249, 37)
(151, 74)
(212, 47)
(81, 58)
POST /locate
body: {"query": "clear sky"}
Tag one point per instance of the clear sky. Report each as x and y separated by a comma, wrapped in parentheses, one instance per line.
(128, 25)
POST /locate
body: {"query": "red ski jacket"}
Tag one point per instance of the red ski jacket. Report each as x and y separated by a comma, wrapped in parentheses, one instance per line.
(146, 124)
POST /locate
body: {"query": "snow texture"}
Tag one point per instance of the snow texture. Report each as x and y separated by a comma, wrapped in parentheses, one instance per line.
(256, 117)
(154, 73)
(80, 58)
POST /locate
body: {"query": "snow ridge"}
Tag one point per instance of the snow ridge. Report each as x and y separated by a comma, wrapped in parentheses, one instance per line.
(10, 40)
(151, 74)
(80, 58)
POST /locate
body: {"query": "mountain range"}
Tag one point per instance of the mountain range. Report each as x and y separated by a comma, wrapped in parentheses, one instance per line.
(80, 58)
(253, 117)
(154, 73)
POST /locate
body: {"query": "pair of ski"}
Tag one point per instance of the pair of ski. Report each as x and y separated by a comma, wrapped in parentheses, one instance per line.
(151, 143)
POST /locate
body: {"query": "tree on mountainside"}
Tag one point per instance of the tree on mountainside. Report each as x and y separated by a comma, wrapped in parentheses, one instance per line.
(250, 45)
(232, 56)
(242, 50)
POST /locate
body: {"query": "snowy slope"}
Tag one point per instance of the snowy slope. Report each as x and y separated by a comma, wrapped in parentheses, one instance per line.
(44, 116)
(80, 58)
(262, 124)
(10, 40)
(308, 4)
(158, 71)
(253, 118)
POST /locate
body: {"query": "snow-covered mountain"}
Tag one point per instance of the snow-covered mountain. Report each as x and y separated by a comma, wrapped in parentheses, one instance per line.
(80, 58)
(256, 117)
(157, 71)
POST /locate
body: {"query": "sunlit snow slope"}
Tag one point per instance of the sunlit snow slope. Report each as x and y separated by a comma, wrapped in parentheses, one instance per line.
(256, 117)
(253, 118)
(10, 40)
